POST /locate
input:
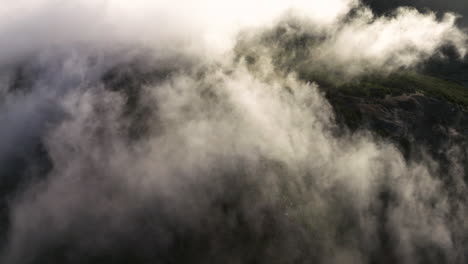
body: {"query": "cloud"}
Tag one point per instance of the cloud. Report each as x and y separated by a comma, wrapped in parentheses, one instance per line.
(457, 6)
(237, 164)
(358, 45)
(401, 40)
(28, 26)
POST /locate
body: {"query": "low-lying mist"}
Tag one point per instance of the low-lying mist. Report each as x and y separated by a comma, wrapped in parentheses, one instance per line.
(149, 133)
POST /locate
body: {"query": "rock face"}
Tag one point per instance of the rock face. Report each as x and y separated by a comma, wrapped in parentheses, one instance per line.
(409, 120)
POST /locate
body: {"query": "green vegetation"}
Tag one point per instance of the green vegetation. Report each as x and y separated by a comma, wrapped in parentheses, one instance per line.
(378, 86)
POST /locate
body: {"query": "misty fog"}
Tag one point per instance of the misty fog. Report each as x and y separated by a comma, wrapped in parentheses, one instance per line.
(180, 131)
